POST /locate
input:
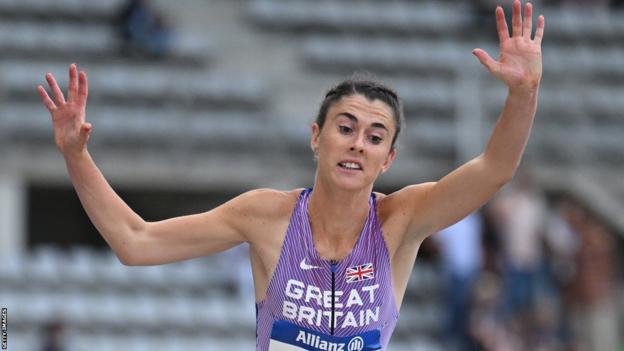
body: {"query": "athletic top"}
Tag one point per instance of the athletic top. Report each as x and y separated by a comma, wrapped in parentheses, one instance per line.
(307, 292)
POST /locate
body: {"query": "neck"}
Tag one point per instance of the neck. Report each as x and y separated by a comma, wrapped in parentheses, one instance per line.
(333, 212)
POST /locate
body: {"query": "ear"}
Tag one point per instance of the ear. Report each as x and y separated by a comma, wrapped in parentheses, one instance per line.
(314, 140)
(389, 159)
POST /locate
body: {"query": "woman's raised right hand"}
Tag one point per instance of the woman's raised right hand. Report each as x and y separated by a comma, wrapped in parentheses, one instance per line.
(71, 132)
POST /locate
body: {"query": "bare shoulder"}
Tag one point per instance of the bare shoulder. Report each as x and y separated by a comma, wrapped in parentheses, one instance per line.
(402, 201)
(261, 212)
(267, 203)
(398, 212)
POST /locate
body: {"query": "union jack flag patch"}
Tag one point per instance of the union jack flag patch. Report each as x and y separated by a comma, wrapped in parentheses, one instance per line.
(360, 272)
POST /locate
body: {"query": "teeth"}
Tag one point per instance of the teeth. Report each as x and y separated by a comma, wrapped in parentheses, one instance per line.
(351, 165)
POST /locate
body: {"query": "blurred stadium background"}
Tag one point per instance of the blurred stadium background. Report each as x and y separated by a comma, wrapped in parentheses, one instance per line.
(219, 98)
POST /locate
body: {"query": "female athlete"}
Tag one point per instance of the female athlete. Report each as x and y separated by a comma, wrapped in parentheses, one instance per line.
(331, 263)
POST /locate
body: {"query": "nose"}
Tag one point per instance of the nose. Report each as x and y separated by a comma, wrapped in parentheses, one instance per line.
(358, 144)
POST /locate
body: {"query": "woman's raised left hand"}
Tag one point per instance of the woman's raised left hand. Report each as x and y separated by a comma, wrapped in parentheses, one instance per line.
(519, 65)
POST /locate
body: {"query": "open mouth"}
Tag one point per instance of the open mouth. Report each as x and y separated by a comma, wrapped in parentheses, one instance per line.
(350, 165)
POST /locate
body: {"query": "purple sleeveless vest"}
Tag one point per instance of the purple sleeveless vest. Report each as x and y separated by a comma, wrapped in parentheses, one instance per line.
(315, 304)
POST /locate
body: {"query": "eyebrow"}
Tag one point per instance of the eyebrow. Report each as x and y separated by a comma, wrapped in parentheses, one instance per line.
(354, 119)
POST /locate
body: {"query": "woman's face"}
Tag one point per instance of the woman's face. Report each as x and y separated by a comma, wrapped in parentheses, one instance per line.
(354, 146)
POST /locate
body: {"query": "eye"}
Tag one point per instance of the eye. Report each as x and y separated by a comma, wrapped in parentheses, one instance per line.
(345, 129)
(376, 140)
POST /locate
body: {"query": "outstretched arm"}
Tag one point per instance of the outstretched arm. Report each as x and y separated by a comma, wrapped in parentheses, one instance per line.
(520, 67)
(135, 241)
(440, 204)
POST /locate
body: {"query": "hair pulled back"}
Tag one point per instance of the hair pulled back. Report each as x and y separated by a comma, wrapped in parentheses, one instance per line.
(368, 88)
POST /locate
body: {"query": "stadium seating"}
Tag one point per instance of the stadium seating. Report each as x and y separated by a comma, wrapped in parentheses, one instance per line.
(397, 17)
(196, 101)
(63, 9)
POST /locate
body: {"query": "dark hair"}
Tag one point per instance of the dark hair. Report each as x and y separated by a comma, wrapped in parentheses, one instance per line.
(368, 88)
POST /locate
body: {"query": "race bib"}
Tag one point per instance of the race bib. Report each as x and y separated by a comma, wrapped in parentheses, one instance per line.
(286, 336)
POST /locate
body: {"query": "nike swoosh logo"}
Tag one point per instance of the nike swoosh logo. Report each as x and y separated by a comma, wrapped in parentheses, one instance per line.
(303, 265)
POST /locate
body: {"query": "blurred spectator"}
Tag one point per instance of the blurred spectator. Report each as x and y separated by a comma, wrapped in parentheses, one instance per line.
(485, 326)
(562, 244)
(53, 336)
(143, 30)
(519, 214)
(594, 310)
(546, 335)
(462, 258)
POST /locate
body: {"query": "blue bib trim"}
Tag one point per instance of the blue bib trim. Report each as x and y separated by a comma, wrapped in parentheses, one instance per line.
(288, 336)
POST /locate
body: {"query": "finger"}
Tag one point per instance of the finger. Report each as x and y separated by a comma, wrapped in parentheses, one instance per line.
(49, 104)
(516, 19)
(72, 91)
(83, 88)
(539, 33)
(485, 59)
(56, 91)
(501, 24)
(528, 21)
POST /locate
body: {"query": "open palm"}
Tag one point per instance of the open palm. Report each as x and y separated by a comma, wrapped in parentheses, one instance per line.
(68, 116)
(520, 61)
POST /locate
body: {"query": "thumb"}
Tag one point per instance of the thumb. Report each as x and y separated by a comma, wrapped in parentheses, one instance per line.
(486, 60)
